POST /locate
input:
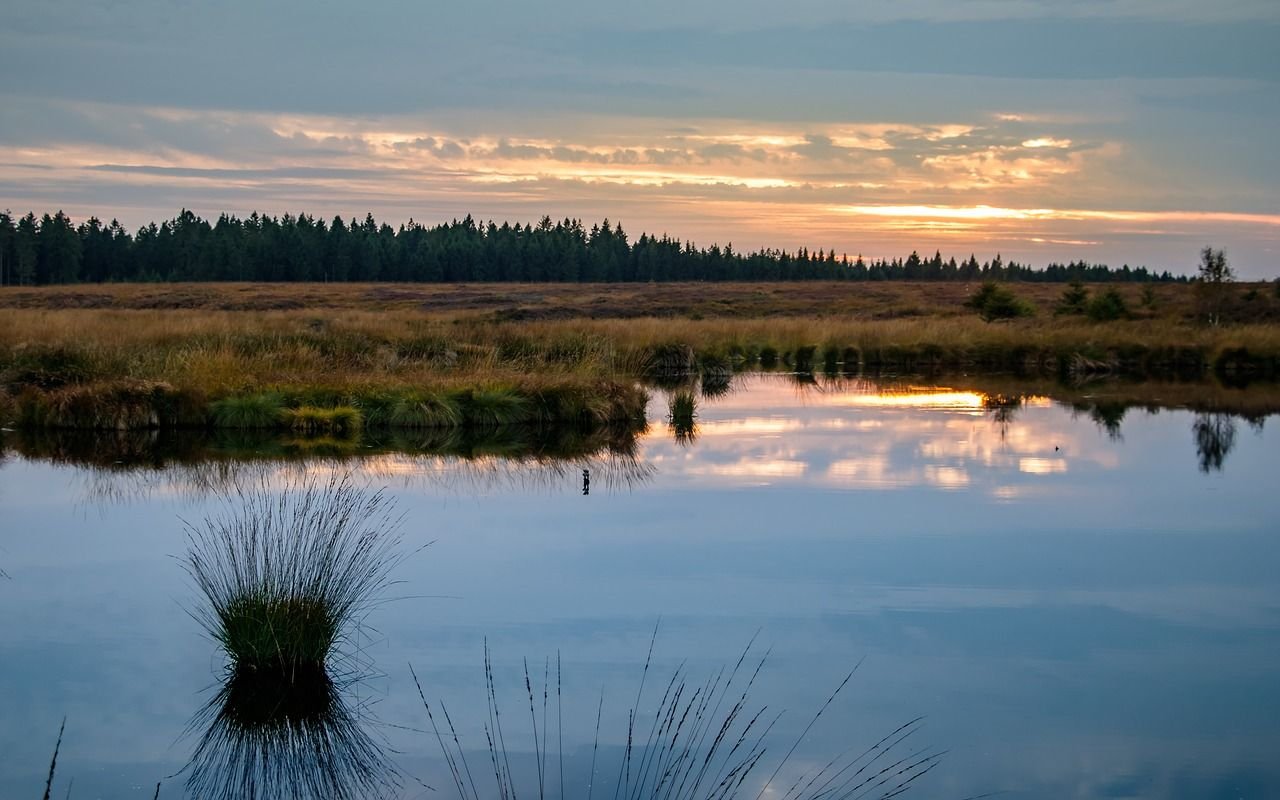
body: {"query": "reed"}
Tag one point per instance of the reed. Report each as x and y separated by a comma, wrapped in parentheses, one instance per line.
(706, 740)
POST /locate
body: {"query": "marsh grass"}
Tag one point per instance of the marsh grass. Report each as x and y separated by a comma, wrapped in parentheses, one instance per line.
(342, 420)
(286, 576)
(706, 740)
(249, 411)
(424, 410)
(71, 367)
(495, 407)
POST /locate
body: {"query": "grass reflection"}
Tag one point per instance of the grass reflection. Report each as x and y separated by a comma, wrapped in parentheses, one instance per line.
(285, 579)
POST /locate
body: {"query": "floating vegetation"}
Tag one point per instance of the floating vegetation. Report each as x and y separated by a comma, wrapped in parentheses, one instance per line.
(706, 740)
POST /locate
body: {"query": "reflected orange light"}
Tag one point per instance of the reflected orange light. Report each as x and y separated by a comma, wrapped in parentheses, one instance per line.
(924, 398)
(1042, 466)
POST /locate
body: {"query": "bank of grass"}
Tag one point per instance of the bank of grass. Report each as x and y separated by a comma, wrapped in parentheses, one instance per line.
(357, 368)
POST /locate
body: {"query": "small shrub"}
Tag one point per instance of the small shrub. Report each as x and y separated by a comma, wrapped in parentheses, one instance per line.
(993, 301)
(1073, 300)
(768, 357)
(1108, 306)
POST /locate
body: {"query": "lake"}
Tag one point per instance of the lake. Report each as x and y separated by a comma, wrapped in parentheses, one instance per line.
(1080, 600)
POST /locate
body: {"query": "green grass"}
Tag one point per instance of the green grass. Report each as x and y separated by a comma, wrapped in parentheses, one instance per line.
(343, 420)
(495, 407)
(248, 411)
(424, 410)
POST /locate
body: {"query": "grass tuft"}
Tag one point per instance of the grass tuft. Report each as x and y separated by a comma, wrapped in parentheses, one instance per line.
(248, 411)
(494, 407)
(284, 577)
(424, 410)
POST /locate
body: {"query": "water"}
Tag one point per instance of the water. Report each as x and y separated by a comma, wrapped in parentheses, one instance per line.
(1079, 606)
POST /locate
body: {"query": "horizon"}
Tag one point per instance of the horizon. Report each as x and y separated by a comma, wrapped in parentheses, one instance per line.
(1133, 132)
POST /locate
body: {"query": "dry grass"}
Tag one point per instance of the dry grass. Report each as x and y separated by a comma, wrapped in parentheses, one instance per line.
(866, 300)
(89, 367)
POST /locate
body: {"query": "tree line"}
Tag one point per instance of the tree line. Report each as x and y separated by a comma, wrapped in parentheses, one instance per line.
(52, 249)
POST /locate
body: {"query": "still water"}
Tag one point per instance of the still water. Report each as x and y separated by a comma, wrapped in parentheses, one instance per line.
(1080, 603)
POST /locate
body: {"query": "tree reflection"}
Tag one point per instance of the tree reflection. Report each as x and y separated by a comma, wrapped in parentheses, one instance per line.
(1215, 436)
(1108, 416)
(1004, 409)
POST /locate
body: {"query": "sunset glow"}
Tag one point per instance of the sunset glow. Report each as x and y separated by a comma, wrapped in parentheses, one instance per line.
(583, 118)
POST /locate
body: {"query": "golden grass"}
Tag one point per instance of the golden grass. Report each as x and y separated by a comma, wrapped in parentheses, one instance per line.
(382, 362)
(865, 300)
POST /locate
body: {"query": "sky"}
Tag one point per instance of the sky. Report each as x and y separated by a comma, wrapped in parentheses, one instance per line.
(1115, 131)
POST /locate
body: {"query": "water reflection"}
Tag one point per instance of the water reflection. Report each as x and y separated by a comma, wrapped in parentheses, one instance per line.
(1059, 598)
(130, 466)
(263, 738)
(1215, 435)
(682, 412)
(853, 432)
